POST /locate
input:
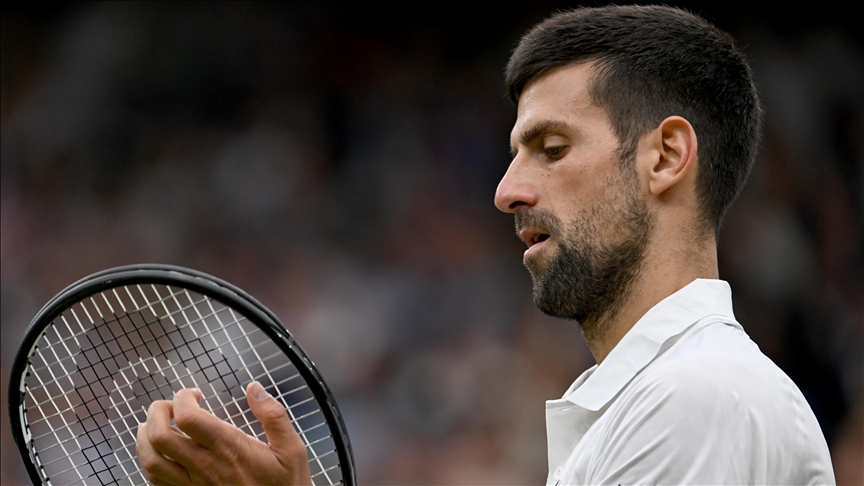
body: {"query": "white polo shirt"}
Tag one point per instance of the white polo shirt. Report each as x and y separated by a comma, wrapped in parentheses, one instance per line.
(686, 398)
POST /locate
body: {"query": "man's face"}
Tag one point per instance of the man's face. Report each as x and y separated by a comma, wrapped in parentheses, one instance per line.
(577, 205)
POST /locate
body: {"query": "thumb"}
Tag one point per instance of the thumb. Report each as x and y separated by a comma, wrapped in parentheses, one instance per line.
(273, 417)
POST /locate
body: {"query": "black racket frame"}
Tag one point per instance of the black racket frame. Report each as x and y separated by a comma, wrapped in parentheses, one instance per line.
(194, 280)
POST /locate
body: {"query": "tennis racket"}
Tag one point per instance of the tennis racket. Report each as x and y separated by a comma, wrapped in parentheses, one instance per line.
(103, 349)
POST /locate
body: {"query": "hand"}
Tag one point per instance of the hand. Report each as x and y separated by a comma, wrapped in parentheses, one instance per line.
(204, 450)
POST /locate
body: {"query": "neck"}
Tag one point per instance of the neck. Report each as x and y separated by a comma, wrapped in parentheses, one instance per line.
(668, 266)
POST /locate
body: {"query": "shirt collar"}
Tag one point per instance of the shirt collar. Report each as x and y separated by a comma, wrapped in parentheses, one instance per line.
(666, 320)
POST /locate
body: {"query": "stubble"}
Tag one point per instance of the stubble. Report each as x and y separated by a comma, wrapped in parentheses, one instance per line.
(599, 255)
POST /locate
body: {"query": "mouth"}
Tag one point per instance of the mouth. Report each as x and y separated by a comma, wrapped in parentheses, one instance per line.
(534, 239)
(532, 236)
(538, 238)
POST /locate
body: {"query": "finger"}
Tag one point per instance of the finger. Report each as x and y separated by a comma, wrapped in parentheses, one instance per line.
(281, 436)
(200, 425)
(158, 469)
(166, 439)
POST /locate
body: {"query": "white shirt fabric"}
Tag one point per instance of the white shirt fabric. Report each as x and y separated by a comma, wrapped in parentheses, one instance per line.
(686, 398)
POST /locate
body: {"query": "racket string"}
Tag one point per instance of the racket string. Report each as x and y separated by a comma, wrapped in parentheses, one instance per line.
(56, 379)
(179, 378)
(83, 330)
(59, 377)
(229, 417)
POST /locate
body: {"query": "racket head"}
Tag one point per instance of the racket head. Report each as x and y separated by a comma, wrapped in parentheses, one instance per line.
(99, 352)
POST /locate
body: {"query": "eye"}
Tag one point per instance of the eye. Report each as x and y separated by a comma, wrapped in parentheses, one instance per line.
(554, 153)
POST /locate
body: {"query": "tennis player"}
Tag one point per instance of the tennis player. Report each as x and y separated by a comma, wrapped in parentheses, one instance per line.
(636, 129)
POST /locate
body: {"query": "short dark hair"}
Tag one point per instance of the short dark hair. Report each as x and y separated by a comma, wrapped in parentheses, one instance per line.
(654, 62)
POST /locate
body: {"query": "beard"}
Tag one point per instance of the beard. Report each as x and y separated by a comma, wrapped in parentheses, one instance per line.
(590, 276)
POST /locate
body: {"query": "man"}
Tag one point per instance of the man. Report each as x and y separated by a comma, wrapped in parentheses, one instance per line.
(636, 128)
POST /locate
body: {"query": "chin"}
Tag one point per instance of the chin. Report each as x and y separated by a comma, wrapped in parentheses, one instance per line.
(538, 265)
(554, 301)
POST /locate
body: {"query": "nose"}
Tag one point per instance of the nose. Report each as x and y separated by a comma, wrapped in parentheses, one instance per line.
(515, 190)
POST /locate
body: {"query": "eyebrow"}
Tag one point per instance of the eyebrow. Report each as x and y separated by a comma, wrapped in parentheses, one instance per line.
(535, 131)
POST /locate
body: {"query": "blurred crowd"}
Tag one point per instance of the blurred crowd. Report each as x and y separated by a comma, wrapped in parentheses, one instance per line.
(340, 166)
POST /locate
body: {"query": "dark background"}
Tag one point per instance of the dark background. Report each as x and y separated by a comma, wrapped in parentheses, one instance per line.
(339, 163)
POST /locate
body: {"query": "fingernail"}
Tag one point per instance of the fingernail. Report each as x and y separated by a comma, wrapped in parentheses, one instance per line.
(258, 391)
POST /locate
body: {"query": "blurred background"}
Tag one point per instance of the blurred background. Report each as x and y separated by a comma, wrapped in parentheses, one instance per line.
(339, 163)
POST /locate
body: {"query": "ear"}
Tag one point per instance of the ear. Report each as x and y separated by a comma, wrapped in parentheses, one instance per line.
(674, 148)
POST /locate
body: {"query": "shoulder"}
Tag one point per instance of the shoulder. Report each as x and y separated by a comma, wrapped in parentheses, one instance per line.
(710, 382)
(713, 398)
(718, 379)
(716, 362)
(698, 386)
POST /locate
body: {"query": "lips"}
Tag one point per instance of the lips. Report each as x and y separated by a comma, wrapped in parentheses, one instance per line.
(534, 238)
(536, 227)
(531, 236)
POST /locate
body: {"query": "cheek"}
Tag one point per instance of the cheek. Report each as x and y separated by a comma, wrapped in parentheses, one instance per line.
(599, 210)
(578, 195)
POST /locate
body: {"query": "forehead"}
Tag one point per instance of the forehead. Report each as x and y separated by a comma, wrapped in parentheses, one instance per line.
(560, 97)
